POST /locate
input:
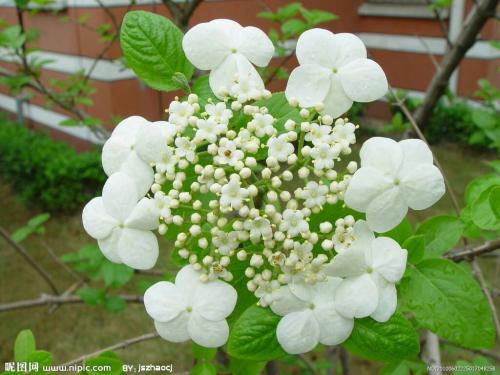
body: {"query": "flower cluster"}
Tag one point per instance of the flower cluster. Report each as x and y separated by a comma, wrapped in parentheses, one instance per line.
(246, 190)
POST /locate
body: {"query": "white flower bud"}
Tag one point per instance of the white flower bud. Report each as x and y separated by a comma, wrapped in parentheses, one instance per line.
(162, 229)
(290, 124)
(325, 227)
(249, 272)
(203, 243)
(352, 167)
(256, 260)
(241, 255)
(266, 173)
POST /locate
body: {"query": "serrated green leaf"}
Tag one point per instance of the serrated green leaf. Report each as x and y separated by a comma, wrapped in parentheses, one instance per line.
(390, 341)
(152, 46)
(444, 298)
(293, 27)
(483, 213)
(416, 247)
(441, 234)
(253, 336)
(24, 345)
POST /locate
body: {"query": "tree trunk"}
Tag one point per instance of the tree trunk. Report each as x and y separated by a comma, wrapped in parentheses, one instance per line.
(465, 40)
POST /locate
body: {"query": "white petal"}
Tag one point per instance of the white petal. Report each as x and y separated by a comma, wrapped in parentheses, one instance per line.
(383, 154)
(315, 46)
(96, 221)
(163, 301)
(119, 196)
(301, 290)
(188, 280)
(309, 84)
(214, 300)
(175, 330)
(356, 297)
(346, 47)
(336, 101)
(363, 235)
(234, 65)
(287, 303)
(422, 185)
(363, 80)
(114, 153)
(109, 245)
(387, 301)
(388, 259)
(151, 142)
(255, 45)
(351, 262)
(207, 44)
(138, 248)
(144, 216)
(386, 211)
(324, 291)
(415, 151)
(140, 172)
(127, 129)
(365, 185)
(298, 332)
(335, 329)
(208, 333)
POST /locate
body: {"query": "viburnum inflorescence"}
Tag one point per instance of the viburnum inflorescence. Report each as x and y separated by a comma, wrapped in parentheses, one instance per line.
(244, 193)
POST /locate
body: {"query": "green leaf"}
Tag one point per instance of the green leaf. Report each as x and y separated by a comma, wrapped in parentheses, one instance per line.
(280, 109)
(483, 213)
(484, 119)
(91, 296)
(405, 367)
(288, 11)
(21, 234)
(444, 298)
(495, 201)
(114, 304)
(200, 352)
(293, 27)
(38, 220)
(24, 345)
(480, 184)
(105, 360)
(416, 247)
(244, 367)
(253, 336)
(401, 232)
(152, 46)
(116, 275)
(316, 16)
(204, 368)
(42, 357)
(390, 341)
(441, 233)
(201, 87)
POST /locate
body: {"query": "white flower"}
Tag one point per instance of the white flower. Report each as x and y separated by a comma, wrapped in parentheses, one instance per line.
(179, 114)
(393, 176)
(263, 124)
(246, 89)
(334, 71)
(303, 250)
(310, 317)
(323, 156)
(190, 309)
(371, 267)
(162, 203)
(259, 227)
(318, 134)
(228, 153)
(268, 292)
(209, 130)
(219, 113)
(135, 144)
(293, 223)
(344, 134)
(228, 50)
(185, 148)
(232, 194)
(314, 194)
(280, 148)
(167, 161)
(225, 242)
(121, 225)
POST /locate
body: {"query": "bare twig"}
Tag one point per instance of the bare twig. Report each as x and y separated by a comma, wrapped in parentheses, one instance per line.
(276, 70)
(474, 252)
(486, 353)
(332, 357)
(344, 360)
(182, 14)
(31, 261)
(119, 345)
(46, 299)
(59, 262)
(432, 354)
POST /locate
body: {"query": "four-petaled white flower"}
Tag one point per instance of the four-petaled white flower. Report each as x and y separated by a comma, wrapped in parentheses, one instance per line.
(228, 153)
(225, 242)
(263, 124)
(393, 176)
(135, 144)
(293, 222)
(371, 266)
(334, 71)
(324, 155)
(228, 50)
(310, 317)
(209, 130)
(318, 134)
(122, 224)
(314, 194)
(185, 148)
(344, 134)
(190, 309)
(219, 112)
(280, 147)
(232, 194)
(259, 228)
(179, 114)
